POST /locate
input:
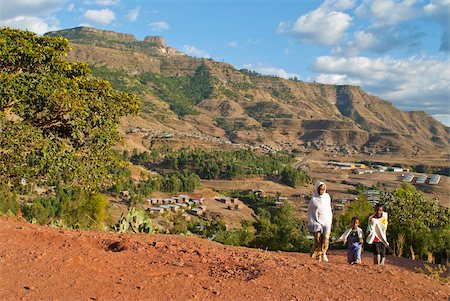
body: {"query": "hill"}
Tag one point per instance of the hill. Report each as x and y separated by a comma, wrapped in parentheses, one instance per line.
(185, 94)
(42, 262)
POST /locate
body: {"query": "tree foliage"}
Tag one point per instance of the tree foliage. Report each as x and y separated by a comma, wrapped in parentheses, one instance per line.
(57, 122)
(424, 223)
(360, 208)
(295, 177)
(280, 230)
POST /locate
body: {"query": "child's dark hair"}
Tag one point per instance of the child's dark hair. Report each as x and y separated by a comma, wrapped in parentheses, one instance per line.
(379, 205)
(355, 218)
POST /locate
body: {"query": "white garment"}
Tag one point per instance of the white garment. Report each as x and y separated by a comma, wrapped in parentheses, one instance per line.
(344, 236)
(320, 216)
(377, 228)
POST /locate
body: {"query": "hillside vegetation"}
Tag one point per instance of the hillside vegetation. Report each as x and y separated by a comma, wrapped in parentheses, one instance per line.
(243, 106)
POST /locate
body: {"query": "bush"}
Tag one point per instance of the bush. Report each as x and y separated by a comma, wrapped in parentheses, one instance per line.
(72, 208)
(424, 223)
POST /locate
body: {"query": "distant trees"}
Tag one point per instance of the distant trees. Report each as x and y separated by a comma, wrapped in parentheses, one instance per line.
(250, 73)
(225, 164)
(181, 92)
(295, 177)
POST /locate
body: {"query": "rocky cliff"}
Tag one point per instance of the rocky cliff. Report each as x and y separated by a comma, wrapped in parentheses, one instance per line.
(214, 98)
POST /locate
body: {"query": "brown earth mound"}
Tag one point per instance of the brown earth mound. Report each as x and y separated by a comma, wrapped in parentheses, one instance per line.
(46, 263)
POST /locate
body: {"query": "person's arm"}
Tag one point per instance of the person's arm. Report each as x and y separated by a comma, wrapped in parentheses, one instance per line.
(361, 236)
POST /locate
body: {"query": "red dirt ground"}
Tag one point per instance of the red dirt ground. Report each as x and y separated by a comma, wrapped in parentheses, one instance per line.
(47, 263)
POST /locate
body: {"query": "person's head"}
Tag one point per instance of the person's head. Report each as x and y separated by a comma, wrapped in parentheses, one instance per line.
(355, 222)
(378, 210)
(321, 188)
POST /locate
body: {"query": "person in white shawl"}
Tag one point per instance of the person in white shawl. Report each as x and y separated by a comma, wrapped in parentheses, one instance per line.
(320, 218)
(378, 223)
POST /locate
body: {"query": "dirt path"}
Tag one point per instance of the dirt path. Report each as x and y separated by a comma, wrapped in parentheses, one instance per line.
(46, 263)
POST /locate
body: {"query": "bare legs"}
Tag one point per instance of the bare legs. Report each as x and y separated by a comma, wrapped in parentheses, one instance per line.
(320, 246)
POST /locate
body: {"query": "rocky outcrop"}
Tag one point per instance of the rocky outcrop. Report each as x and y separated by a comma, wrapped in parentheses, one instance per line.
(252, 108)
(158, 40)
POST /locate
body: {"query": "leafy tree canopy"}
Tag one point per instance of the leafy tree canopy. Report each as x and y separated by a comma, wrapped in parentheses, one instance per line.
(425, 224)
(58, 123)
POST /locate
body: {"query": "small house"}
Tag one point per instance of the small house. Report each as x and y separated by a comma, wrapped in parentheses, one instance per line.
(184, 198)
(199, 200)
(177, 199)
(225, 200)
(157, 210)
(279, 204)
(125, 194)
(173, 207)
(234, 201)
(197, 211)
(338, 207)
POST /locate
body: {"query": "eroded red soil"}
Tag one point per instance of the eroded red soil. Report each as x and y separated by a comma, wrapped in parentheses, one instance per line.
(46, 263)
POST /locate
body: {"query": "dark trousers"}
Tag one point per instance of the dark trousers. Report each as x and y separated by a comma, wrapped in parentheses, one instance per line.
(379, 249)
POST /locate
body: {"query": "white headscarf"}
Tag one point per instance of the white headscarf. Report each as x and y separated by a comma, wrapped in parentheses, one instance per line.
(320, 215)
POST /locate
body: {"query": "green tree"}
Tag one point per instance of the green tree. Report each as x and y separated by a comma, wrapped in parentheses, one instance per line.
(294, 177)
(280, 230)
(57, 122)
(424, 223)
(360, 208)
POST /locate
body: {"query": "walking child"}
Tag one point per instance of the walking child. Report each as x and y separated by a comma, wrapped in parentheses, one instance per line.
(377, 234)
(354, 238)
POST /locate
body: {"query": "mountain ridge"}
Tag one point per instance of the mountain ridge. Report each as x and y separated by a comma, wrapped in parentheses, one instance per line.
(242, 106)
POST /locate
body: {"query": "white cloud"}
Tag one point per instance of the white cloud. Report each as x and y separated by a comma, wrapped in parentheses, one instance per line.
(159, 26)
(29, 8)
(233, 44)
(248, 42)
(444, 118)
(411, 84)
(339, 4)
(34, 24)
(102, 16)
(251, 41)
(387, 12)
(337, 79)
(133, 14)
(439, 11)
(380, 40)
(261, 68)
(70, 7)
(104, 2)
(321, 26)
(194, 51)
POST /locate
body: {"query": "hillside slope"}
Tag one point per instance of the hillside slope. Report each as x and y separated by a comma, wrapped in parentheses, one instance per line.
(183, 93)
(46, 263)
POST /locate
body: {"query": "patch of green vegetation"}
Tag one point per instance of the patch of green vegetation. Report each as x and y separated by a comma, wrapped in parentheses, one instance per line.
(119, 79)
(181, 92)
(250, 72)
(264, 110)
(242, 85)
(228, 93)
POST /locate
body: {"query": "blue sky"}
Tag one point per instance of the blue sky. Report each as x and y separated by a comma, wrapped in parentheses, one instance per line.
(398, 50)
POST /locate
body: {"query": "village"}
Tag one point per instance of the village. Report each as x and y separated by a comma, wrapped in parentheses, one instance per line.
(318, 144)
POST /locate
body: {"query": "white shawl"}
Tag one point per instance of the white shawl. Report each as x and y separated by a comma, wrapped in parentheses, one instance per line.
(377, 228)
(344, 236)
(319, 211)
